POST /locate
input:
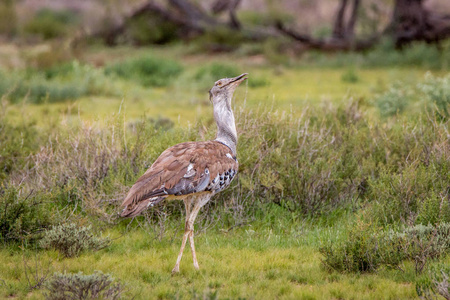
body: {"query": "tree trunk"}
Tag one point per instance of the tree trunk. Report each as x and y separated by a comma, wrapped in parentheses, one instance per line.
(350, 31)
(412, 22)
(338, 28)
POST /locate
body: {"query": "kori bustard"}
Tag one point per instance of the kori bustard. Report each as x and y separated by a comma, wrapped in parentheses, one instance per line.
(192, 171)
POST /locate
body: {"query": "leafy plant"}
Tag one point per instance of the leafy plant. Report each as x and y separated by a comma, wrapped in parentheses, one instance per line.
(350, 76)
(80, 286)
(437, 92)
(359, 253)
(146, 70)
(151, 30)
(71, 240)
(411, 195)
(367, 248)
(435, 282)
(50, 24)
(22, 216)
(68, 81)
(394, 101)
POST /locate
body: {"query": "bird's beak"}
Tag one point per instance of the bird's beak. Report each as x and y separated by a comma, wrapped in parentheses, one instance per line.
(237, 80)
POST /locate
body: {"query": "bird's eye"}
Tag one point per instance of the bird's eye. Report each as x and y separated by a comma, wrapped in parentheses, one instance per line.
(219, 83)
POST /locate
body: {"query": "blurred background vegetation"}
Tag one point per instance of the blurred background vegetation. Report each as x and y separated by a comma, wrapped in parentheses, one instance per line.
(344, 147)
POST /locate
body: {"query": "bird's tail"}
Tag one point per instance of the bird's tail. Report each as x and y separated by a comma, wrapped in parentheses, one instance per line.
(131, 211)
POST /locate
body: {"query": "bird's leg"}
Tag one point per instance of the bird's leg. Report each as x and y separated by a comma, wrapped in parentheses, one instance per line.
(187, 204)
(199, 203)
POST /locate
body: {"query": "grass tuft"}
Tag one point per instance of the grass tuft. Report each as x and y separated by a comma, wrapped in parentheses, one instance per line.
(146, 70)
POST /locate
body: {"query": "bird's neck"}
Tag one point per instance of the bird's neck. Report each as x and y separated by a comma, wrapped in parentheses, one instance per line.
(226, 128)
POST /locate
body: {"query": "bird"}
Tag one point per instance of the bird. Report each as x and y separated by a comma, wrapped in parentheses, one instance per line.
(192, 171)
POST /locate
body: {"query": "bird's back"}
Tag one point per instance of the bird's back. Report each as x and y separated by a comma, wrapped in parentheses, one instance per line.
(184, 169)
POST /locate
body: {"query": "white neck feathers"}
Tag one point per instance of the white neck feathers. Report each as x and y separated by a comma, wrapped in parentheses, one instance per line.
(226, 128)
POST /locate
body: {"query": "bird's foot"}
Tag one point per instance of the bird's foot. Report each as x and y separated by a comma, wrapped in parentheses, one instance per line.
(196, 266)
(176, 270)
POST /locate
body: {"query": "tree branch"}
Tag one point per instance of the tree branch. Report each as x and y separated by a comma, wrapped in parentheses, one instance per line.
(328, 45)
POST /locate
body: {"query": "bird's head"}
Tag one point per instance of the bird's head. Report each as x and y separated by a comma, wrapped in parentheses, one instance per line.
(223, 89)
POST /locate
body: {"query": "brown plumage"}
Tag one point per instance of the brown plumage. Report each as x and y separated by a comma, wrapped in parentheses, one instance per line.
(192, 171)
(183, 169)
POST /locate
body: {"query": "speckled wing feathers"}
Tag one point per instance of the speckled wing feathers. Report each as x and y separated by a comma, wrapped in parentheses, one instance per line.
(187, 168)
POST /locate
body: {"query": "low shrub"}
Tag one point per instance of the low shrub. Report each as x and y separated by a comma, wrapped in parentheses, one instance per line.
(385, 54)
(49, 24)
(368, 248)
(151, 29)
(23, 215)
(434, 209)
(8, 18)
(436, 282)
(80, 286)
(68, 81)
(71, 240)
(17, 142)
(433, 93)
(146, 70)
(350, 76)
(437, 92)
(359, 253)
(415, 194)
(394, 101)
(420, 243)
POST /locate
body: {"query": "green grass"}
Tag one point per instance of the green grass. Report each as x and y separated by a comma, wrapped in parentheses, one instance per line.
(246, 263)
(184, 103)
(93, 95)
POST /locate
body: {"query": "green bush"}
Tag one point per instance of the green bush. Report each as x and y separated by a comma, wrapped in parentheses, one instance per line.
(81, 286)
(433, 93)
(435, 282)
(151, 30)
(384, 54)
(17, 142)
(437, 92)
(420, 243)
(38, 90)
(68, 81)
(394, 101)
(8, 18)
(216, 71)
(23, 216)
(414, 191)
(359, 253)
(434, 209)
(367, 248)
(49, 24)
(146, 70)
(350, 76)
(71, 240)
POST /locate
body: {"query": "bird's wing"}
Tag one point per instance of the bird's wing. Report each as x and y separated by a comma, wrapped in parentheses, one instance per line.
(183, 169)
